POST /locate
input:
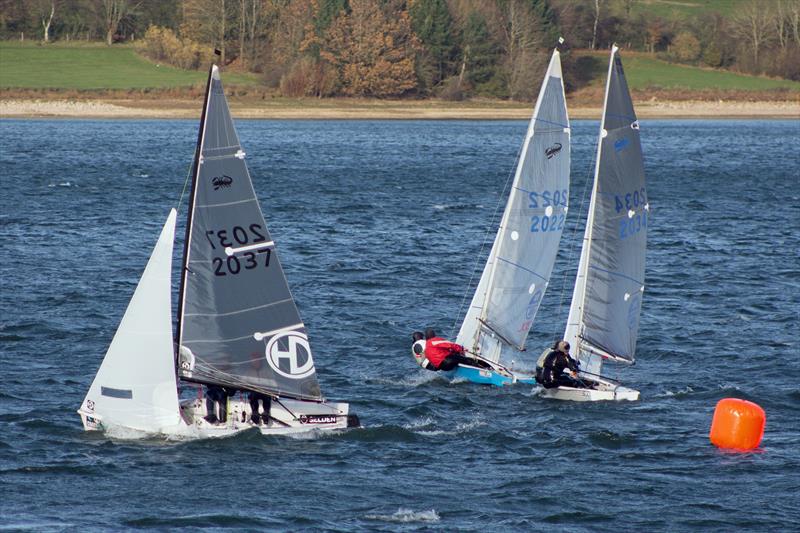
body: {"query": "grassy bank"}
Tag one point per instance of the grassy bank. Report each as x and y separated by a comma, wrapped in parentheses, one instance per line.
(92, 66)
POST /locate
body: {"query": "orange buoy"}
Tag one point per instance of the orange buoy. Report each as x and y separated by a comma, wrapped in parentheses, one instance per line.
(737, 424)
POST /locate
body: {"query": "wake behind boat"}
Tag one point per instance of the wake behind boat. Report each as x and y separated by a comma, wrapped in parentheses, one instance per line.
(238, 329)
(603, 321)
(517, 271)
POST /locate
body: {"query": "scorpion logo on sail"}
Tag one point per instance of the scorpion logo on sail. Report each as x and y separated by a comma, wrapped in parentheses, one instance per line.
(552, 150)
(221, 182)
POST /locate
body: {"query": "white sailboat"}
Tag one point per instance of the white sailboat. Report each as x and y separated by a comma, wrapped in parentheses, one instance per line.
(237, 324)
(603, 321)
(520, 263)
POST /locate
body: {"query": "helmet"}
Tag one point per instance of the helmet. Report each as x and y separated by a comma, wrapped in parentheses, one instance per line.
(563, 346)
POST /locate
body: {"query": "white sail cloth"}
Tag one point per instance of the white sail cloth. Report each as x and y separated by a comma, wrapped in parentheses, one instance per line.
(135, 386)
(521, 260)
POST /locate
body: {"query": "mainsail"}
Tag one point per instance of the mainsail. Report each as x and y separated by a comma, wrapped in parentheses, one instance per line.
(238, 323)
(135, 385)
(604, 315)
(521, 260)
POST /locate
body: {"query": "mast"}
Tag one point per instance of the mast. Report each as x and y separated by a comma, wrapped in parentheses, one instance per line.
(190, 211)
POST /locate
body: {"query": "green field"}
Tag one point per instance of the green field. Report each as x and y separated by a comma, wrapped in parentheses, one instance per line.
(92, 66)
(645, 72)
(675, 9)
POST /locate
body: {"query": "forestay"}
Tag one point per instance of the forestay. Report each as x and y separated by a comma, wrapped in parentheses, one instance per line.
(521, 260)
(135, 385)
(606, 303)
(239, 325)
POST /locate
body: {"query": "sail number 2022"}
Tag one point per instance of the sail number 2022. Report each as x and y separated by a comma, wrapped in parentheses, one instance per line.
(554, 222)
(238, 236)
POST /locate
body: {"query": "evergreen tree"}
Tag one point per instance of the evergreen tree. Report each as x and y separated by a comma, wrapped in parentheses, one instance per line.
(480, 57)
(432, 24)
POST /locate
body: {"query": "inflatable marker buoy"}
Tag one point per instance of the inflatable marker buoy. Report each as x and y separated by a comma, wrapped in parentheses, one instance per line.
(737, 424)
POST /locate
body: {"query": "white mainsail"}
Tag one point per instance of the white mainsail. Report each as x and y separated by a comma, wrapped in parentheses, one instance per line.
(136, 385)
(603, 318)
(521, 260)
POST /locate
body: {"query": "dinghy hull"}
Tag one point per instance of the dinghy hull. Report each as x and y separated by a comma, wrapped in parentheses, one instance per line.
(286, 417)
(484, 376)
(604, 391)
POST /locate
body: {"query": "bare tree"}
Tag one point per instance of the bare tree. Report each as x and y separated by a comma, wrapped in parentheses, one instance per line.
(522, 39)
(47, 20)
(753, 22)
(596, 20)
(114, 12)
(793, 19)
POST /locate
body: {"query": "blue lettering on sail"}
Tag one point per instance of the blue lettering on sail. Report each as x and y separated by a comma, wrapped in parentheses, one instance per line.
(620, 144)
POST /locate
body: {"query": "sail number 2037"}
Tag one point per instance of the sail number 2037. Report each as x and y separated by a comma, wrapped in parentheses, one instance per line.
(238, 236)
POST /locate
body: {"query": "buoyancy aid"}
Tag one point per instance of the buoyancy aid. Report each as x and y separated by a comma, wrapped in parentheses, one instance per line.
(437, 349)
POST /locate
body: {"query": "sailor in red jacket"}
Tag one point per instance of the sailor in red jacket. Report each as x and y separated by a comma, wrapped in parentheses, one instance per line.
(439, 354)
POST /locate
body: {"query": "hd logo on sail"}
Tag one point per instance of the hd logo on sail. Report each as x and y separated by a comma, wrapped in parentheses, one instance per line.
(289, 354)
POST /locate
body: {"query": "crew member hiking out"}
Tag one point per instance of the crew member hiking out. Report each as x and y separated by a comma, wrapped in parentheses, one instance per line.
(550, 368)
(435, 353)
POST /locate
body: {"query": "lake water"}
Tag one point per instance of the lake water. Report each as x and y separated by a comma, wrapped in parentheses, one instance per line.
(380, 226)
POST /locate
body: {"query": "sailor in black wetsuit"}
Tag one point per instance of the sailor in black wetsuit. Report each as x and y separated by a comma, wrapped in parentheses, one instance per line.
(550, 373)
(216, 400)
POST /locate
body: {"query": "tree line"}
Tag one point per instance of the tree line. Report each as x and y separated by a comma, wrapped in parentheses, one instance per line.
(390, 48)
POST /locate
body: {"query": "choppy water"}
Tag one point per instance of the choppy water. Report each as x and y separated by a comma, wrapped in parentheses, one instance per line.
(379, 225)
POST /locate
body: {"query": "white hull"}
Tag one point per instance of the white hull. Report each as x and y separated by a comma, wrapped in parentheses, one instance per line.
(604, 391)
(286, 417)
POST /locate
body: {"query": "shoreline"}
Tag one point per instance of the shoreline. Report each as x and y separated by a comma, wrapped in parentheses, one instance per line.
(379, 110)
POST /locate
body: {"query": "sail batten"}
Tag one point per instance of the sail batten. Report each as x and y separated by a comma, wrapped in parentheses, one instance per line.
(520, 262)
(240, 325)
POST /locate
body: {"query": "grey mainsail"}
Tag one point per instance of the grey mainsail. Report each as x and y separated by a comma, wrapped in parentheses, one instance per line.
(521, 260)
(238, 323)
(603, 320)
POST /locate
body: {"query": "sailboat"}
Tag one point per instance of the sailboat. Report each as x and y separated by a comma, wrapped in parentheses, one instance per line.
(603, 320)
(518, 269)
(237, 324)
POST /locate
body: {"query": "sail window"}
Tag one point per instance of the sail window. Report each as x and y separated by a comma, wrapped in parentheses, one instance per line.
(125, 394)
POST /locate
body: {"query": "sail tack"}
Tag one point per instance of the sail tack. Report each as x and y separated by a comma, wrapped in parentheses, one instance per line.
(135, 386)
(521, 260)
(239, 325)
(606, 303)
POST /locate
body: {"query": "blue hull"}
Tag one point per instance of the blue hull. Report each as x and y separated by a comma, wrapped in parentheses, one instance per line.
(488, 377)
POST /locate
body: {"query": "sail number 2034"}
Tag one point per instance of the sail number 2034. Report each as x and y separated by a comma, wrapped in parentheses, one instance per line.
(630, 203)
(238, 236)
